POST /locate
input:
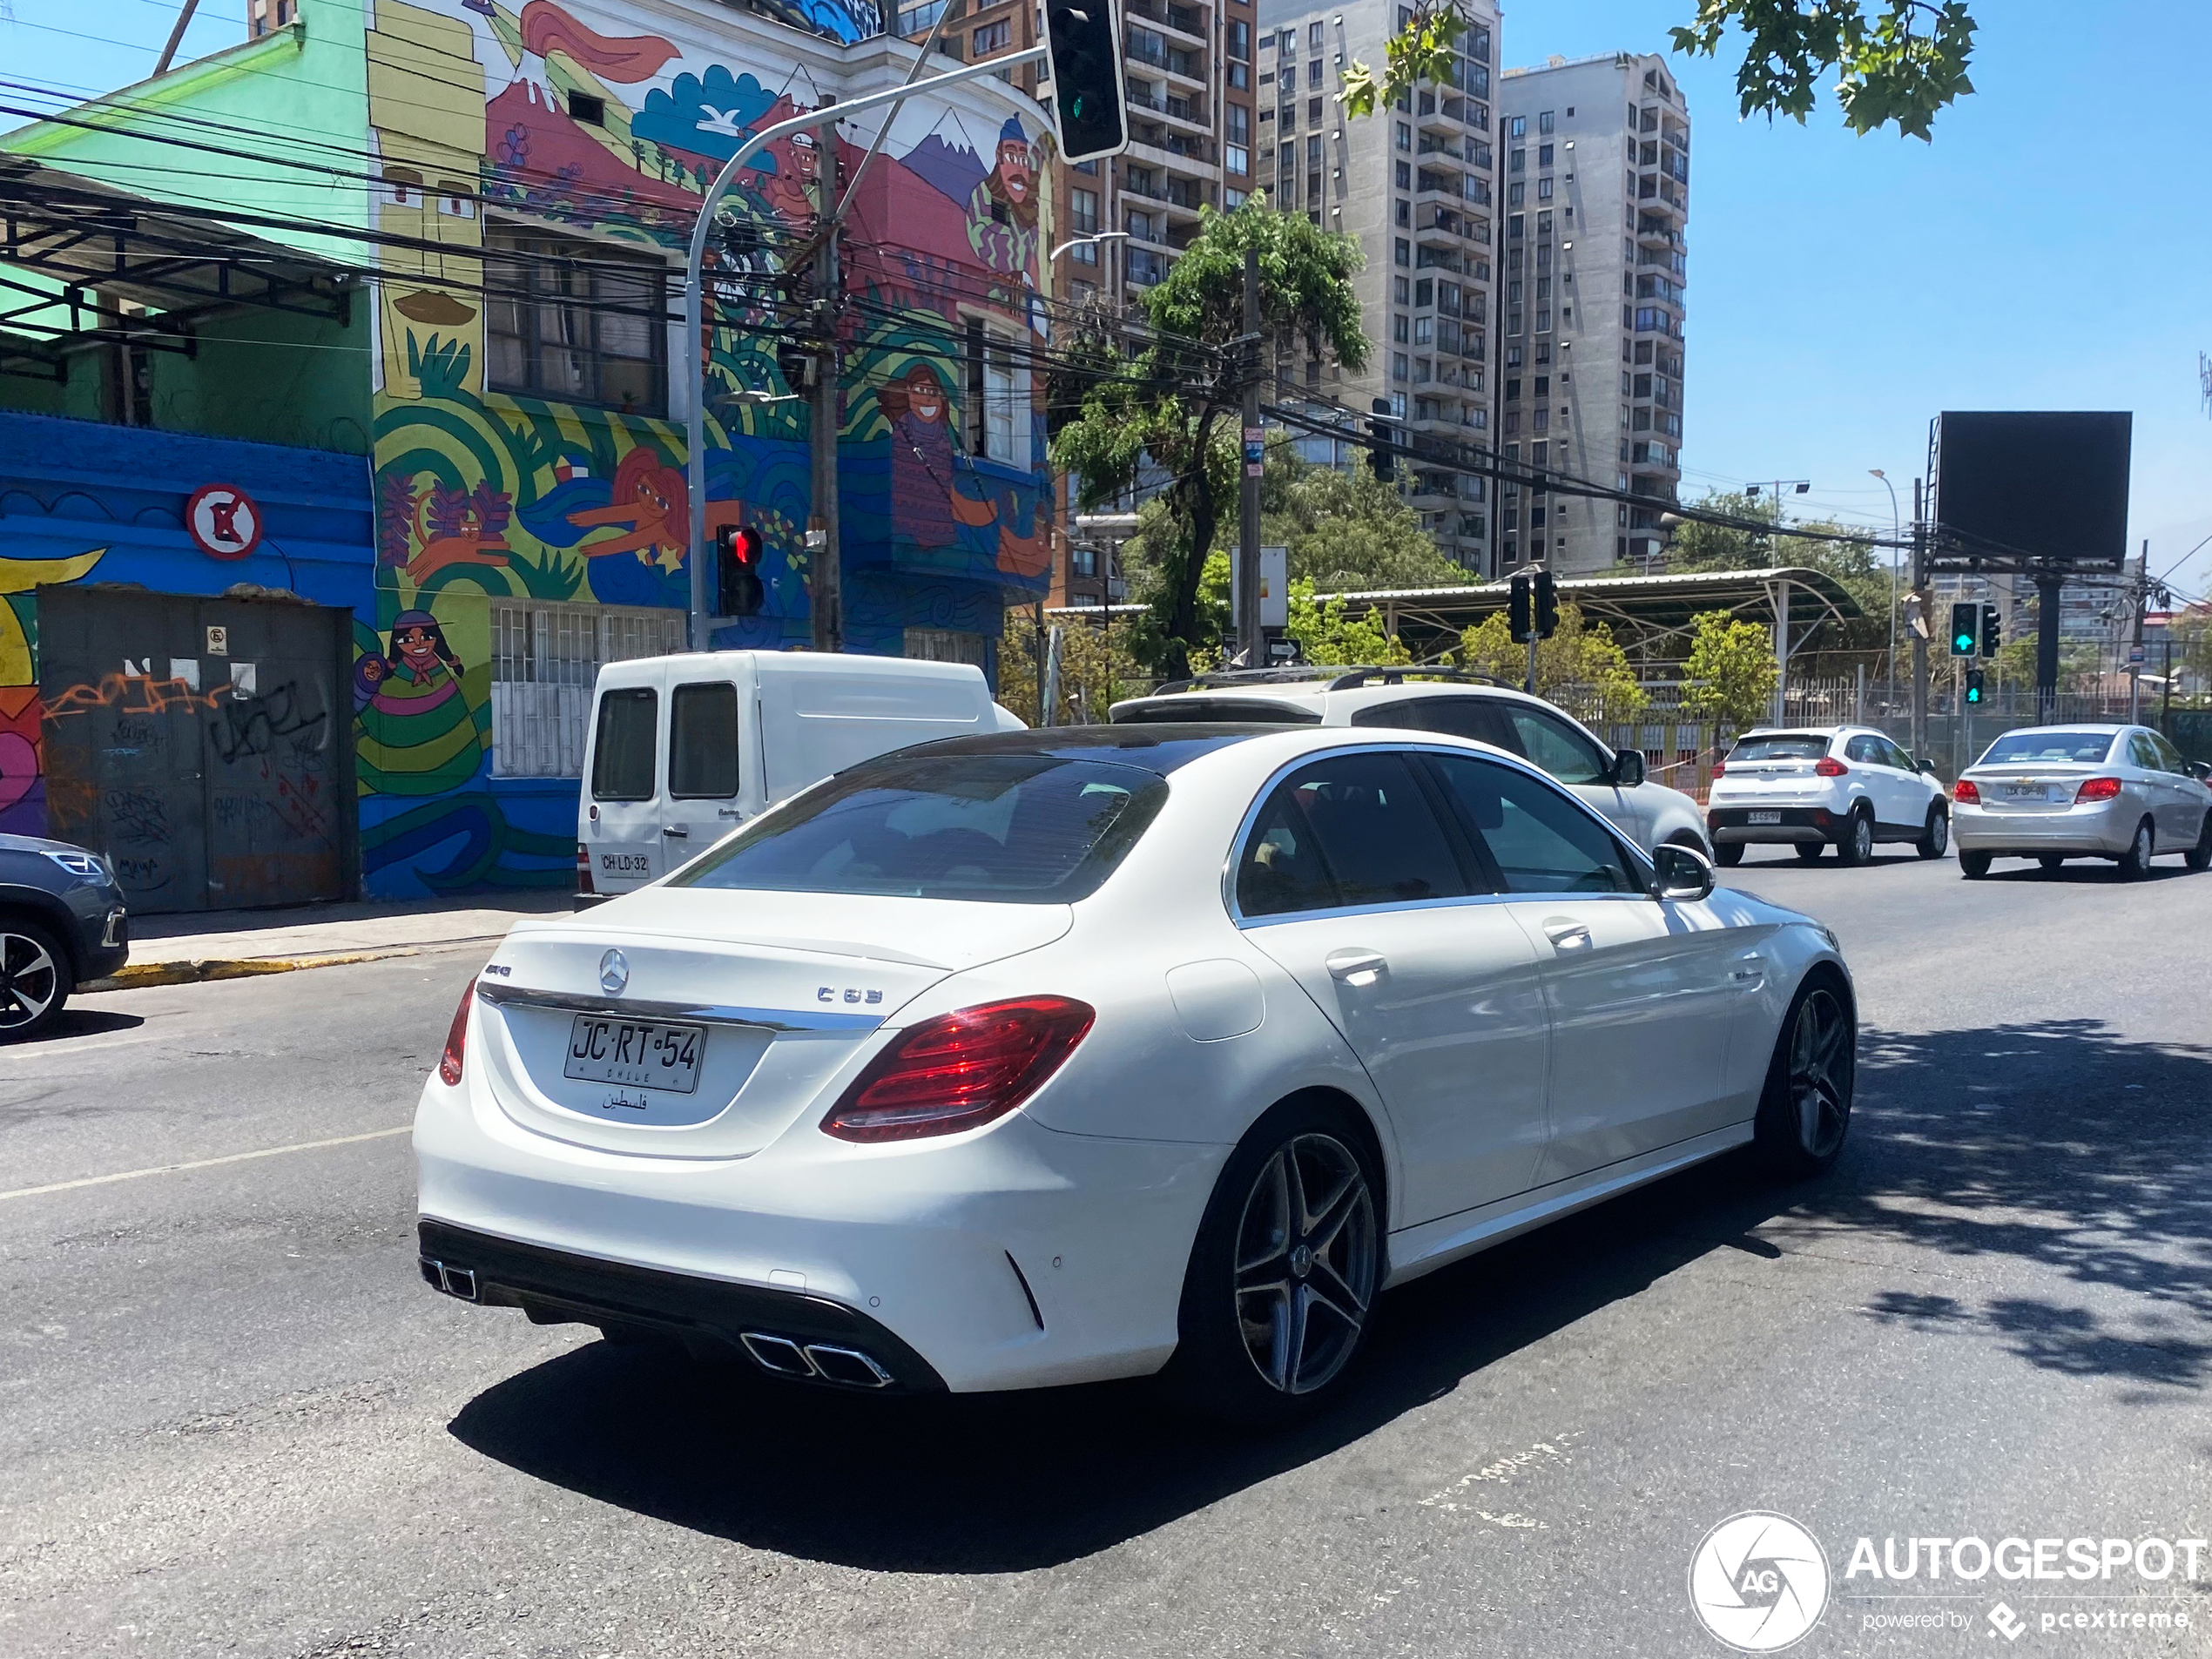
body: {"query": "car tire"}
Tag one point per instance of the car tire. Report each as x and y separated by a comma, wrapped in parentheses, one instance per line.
(1805, 1112)
(2134, 863)
(1278, 1295)
(1856, 844)
(1935, 839)
(1810, 852)
(1973, 865)
(2051, 860)
(1728, 853)
(35, 979)
(2200, 856)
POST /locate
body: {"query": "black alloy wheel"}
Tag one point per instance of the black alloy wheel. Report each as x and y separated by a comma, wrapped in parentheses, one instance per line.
(1805, 1112)
(2134, 863)
(35, 979)
(1855, 844)
(1935, 839)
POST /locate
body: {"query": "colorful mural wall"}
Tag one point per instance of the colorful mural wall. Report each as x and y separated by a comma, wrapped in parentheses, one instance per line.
(565, 121)
(83, 502)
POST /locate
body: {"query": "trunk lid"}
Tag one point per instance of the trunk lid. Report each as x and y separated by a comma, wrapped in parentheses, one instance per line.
(776, 990)
(2032, 786)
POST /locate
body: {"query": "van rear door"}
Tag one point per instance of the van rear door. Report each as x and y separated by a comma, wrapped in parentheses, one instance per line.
(714, 771)
(622, 809)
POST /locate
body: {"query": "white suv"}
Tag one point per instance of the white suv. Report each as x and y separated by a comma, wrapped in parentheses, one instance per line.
(1452, 701)
(1848, 785)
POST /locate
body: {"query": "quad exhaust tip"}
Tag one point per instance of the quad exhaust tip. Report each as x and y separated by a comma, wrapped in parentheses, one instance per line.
(816, 1362)
(454, 1281)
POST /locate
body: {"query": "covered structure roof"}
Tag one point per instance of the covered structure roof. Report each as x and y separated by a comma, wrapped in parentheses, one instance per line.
(1644, 611)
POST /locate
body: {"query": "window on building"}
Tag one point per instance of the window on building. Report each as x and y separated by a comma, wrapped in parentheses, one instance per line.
(1403, 176)
(1400, 290)
(578, 321)
(1240, 39)
(1398, 329)
(1517, 193)
(1544, 123)
(1544, 154)
(1405, 137)
(1424, 331)
(1313, 35)
(1313, 110)
(545, 660)
(998, 397)
(1405, 212)
(992, 37)
(1082, 212)
(1397, 366)
(1402, 254)
(1232, 199)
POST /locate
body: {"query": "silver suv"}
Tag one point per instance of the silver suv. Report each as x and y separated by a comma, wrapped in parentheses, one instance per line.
(1454, 702)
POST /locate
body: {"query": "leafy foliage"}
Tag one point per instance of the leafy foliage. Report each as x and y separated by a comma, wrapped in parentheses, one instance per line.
(1347, 529)
(1730, 674)
(1097, 668)
(1326, 635)
(1898, 61)
(1901, 64)
(1580, 667)
(1174, 408)
(1861, 571)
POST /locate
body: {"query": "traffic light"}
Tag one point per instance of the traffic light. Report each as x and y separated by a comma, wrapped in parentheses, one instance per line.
(1084, 60)
(1546, 606)
(1381, 454)
(737, 570)
(1973, 686)
(1992, 631)
(1518, 614)
(1966, 629)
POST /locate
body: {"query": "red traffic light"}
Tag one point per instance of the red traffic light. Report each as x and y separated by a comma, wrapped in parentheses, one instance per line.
(738, 548)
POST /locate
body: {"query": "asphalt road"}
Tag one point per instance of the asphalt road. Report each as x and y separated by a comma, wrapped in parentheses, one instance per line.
(232, 1421)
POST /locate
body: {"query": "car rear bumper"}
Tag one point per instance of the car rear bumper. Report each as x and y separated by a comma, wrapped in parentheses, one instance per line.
(2103, 829)
(1732, 824)
(1012, 1257)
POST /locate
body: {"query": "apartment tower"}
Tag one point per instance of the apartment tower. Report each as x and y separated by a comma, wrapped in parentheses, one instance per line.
(1596, 156)
(1415, 184)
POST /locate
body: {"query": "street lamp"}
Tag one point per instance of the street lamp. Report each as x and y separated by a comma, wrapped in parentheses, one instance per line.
(1897, 535)
(1077, 241)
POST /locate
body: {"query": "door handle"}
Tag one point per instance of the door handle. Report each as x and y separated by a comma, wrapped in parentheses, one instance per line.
(1749, 970)
(1357, 967)
(677, 830)
(1568, 935)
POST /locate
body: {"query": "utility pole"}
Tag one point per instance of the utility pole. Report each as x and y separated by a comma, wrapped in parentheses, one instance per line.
(1920, 634)
(2135, 648)
(825, 571)
(1248, 639)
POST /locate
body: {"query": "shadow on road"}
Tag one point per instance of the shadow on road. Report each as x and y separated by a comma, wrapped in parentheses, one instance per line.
(2058, 1145)
(83, 1022)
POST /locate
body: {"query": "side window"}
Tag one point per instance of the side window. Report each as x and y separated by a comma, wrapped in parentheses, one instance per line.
(622, 752)
(702, 741)
(1347, 830)
(1542, 840)
(2169, 758)
(1553, 745)
(2142, 753)
(1455, 717)
(1897, 757)
(1865, 751)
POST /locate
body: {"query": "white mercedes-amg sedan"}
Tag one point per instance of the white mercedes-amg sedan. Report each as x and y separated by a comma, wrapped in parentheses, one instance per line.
(1047, 1056)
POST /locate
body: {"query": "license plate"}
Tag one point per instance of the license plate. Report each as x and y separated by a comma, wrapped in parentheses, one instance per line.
(603, 1048)
(2024, 792)
(1762, 818)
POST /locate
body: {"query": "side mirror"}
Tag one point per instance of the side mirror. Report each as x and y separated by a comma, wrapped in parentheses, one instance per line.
(1928, 766)
(2200, 771)
(1627, 768)
(1679, 873)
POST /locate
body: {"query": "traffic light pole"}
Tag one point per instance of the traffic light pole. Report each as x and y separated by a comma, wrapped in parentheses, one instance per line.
(697, 344)
(1250, 640)
(1920, 634)
(825, 560)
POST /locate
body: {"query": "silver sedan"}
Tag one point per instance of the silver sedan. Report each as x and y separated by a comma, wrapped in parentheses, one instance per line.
(2106, 792)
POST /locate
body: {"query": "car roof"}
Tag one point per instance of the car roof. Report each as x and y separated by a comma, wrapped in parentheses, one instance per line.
(1160, 747)
(1227, 690)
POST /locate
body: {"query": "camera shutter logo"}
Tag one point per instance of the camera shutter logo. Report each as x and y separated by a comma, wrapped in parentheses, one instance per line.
(1758, 1582)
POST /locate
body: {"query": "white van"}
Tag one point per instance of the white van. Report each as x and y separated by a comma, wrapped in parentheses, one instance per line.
(684, 749)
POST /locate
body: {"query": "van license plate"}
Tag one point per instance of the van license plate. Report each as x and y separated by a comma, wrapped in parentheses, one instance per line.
(646, 1053)
(1762, 818)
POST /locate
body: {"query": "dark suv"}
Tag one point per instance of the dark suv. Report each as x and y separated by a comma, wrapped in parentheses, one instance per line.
(61, 922)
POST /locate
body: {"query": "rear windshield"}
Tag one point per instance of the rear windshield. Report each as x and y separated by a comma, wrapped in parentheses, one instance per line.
(1786, 745)
(1022, 829)
(2015, 748)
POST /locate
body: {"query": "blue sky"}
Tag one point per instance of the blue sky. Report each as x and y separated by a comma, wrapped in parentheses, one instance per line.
(2051, 249)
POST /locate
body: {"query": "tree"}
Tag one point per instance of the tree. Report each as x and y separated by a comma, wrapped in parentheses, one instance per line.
(1730, 677)
(1175, 408)
(1896, 60)
(1859, 568)
(1580, 667)
(1347, 529)
(1325, 635)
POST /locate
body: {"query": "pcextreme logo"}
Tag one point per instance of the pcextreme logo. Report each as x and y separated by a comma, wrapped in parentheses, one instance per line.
(1758, 1582)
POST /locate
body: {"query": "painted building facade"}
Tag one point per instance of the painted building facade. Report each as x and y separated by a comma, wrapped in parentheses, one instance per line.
(526, 178)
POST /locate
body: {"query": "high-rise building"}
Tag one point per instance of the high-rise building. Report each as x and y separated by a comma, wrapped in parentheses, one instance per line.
(1415, 184)
(1593, 265)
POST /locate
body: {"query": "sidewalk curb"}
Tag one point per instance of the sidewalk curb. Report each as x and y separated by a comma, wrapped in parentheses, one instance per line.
(146, 976)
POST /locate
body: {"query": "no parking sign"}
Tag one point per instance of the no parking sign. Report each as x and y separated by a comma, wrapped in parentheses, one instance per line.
(224, 522)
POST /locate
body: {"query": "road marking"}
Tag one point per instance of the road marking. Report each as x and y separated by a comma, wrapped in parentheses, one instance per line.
(206, 1163)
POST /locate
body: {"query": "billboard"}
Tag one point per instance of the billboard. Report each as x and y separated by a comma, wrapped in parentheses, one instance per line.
(2042, 485)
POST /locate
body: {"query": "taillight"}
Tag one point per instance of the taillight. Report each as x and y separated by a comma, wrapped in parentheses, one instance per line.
(582, 868)
(1966, 790)
(959, 1070)
(1828, 767)
(1720, 769)
(456, 1040)
(2097, 789)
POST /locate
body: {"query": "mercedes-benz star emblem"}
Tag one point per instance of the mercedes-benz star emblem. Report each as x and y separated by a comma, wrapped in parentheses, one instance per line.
(614, 973)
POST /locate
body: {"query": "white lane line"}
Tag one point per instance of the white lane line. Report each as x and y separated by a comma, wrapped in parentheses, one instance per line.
(206, 1163)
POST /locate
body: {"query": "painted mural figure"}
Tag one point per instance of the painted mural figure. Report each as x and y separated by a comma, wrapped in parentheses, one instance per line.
(418, 734)
(926, 503)
(1002, 209)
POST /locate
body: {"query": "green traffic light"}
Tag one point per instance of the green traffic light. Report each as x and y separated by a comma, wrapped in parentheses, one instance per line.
(1964, 644)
